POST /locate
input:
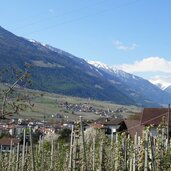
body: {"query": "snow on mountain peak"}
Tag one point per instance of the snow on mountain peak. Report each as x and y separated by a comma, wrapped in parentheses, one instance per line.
(51, 48)
(36, 42)
(113, 70)
(33, 41)
(162, 84)
(99, 64)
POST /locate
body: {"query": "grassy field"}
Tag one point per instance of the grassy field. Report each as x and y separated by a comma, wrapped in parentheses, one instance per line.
(46, 104)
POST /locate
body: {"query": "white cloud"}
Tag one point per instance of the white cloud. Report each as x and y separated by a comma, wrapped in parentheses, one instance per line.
(150, 64)
(121, 46)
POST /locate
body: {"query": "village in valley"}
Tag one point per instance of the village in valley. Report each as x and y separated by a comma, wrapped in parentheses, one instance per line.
(45, 131)
(112, 123)
(59, 136)
(85, 85)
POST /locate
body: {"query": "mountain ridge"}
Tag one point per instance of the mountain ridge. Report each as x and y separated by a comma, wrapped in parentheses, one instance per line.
(62, 74)
(57, 71)
(136, 84)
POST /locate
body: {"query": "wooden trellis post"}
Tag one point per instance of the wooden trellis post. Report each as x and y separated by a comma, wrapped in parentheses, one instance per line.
(101, 157)
(17, 162)
(84, 163)
(32, 152)
(23, 150)
(135, 153)
(94, 150)
(146, 152)
(152, 154)
(71, 150)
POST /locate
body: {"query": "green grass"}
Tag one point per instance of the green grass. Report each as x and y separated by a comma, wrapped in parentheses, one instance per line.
(47, 104)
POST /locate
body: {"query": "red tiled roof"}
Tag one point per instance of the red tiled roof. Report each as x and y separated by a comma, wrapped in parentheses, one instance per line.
(7, 141)
(102, 120)
(133, 127)
(114, 121)
(154, 116)
(98, 126)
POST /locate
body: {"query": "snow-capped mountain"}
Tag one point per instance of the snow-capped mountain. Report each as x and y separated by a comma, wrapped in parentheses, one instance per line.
(57, 71)
(134, 86)
(99, 64)
(59, 51)
(113, 70)
(35, 42)
(161, 83)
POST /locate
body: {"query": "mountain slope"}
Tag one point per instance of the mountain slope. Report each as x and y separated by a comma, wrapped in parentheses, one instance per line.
(57, 71)
(162, 83)
(141, 90)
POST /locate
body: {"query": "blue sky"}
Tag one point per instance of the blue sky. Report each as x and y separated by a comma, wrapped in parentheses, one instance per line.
(124, 33)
